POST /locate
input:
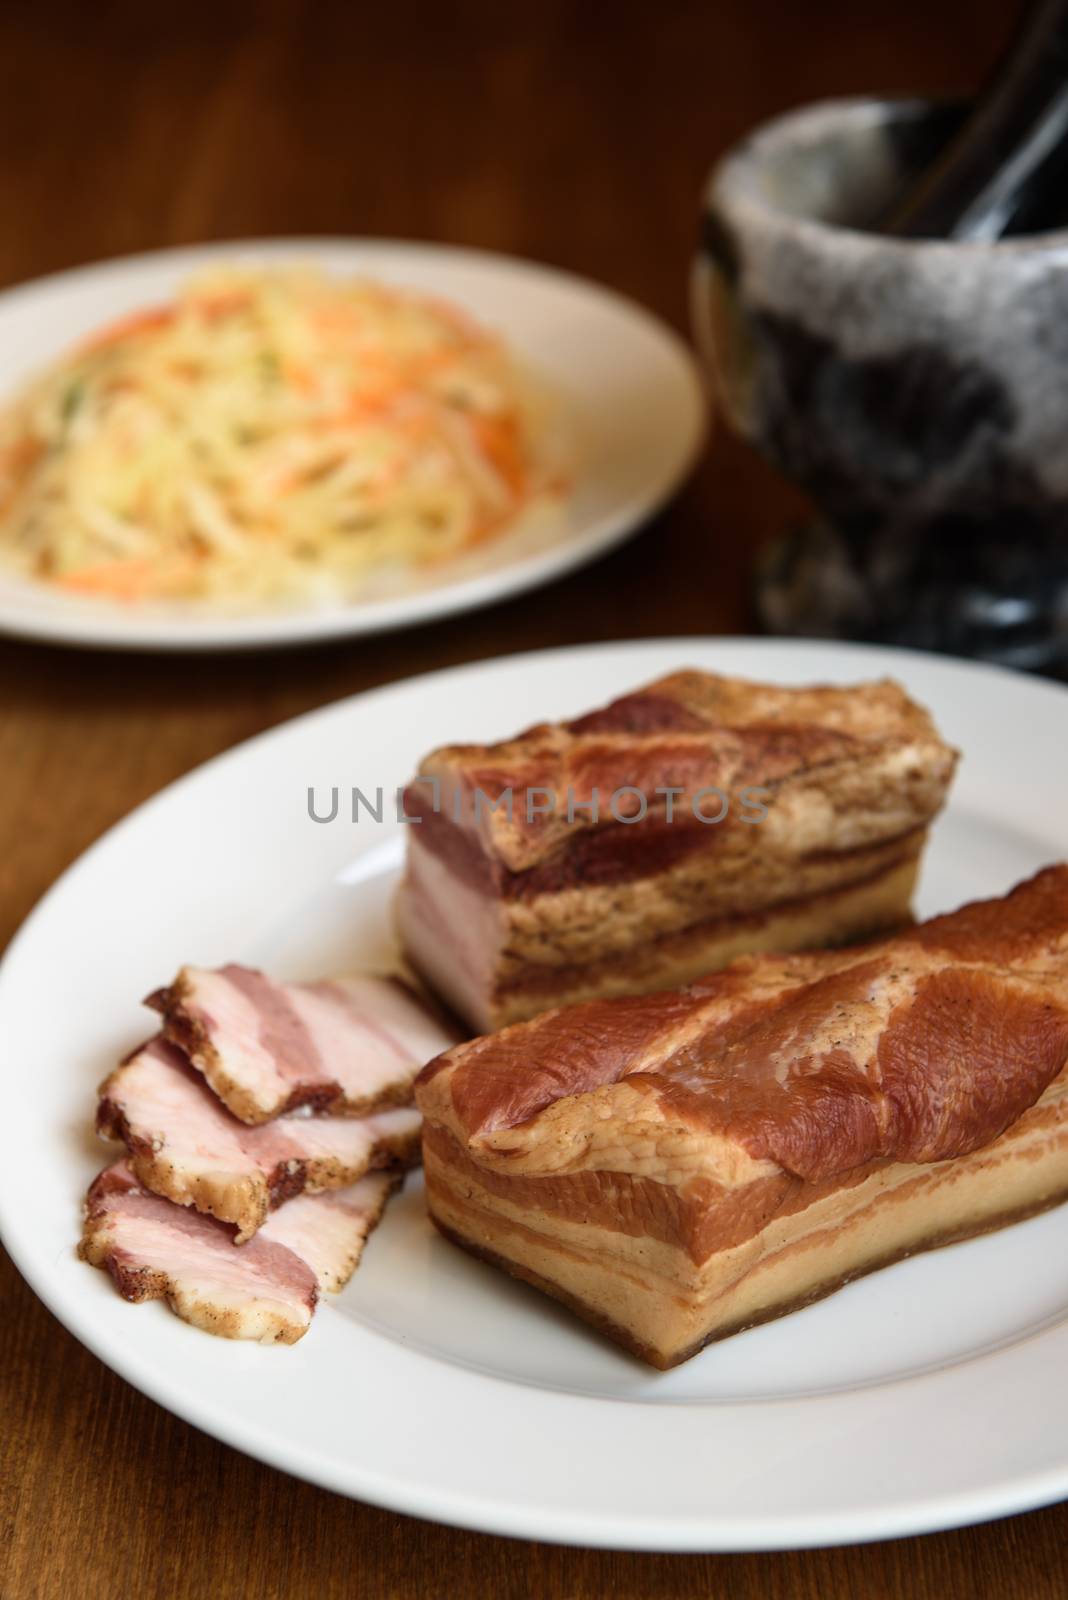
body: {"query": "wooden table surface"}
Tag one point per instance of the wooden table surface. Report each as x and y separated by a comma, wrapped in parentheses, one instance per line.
(575, 134)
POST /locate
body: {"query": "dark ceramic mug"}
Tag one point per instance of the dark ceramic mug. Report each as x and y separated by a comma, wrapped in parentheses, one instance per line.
(916, 389)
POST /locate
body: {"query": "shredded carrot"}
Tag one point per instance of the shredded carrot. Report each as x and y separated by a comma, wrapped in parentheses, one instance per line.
(123, 580)
(129, 327)
(300, 376)
(498, 437)
(216, 306)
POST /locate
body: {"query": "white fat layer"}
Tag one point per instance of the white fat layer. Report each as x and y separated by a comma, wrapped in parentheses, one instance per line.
(329, 1231)
(353, 1048)
(417, 1035)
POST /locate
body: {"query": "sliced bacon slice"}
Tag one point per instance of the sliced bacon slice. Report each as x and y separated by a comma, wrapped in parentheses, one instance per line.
(183, 1144)
(348, 1045)
(265, 1290)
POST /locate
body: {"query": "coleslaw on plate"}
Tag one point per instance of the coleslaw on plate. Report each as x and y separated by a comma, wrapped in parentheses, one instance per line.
(274, 435)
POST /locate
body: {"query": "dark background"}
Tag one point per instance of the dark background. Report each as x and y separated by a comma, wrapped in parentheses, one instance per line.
(575, 133)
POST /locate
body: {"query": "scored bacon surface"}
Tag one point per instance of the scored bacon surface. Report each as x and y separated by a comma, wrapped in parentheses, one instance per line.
(913, 1088)
(349, 1045)
(185, 1145)
(265, 1290)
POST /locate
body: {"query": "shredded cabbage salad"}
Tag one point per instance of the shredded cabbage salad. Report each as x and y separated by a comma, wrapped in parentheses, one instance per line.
(272, 435)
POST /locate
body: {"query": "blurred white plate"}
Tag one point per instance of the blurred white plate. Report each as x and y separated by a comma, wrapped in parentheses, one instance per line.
(928, 1395)
(628, 403)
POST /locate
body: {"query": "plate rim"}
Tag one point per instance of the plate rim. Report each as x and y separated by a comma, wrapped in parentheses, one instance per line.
(105, 630)
(1014, 1493)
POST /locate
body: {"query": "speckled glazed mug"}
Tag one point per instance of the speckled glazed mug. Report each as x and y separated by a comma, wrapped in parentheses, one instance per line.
(916, 389)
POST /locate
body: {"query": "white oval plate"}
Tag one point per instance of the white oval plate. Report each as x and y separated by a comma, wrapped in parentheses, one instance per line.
(628, 405)
(929, 1395)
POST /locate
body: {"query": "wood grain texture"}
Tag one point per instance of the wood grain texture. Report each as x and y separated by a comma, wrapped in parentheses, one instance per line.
(579, 135)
